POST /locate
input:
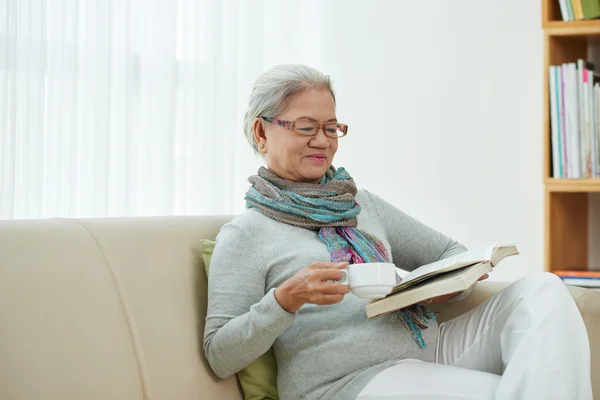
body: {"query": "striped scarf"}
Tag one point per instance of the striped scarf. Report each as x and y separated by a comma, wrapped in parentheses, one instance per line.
(329, 207)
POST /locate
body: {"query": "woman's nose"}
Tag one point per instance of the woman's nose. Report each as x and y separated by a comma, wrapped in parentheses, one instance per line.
(319, 140)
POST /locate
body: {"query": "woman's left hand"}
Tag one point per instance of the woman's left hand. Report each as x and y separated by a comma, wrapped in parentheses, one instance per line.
(441, 299)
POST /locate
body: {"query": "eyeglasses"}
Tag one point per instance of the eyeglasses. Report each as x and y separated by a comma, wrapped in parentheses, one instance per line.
(309, 127)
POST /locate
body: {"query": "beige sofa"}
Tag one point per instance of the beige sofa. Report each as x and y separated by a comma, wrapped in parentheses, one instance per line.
(114, 309)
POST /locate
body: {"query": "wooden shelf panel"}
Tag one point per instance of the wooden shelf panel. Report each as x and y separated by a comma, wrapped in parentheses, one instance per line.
(588, 28)
(566, 221)
(576, 269)
(573, 185)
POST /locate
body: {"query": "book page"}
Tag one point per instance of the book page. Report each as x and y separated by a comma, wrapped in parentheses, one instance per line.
(499, 253)
(456, 261)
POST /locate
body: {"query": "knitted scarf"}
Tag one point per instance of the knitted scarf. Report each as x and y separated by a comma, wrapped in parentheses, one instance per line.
(330, 208)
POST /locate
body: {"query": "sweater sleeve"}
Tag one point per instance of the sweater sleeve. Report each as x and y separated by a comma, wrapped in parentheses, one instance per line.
(242, 321)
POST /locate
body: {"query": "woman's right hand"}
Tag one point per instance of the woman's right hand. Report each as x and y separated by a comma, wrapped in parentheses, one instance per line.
(310, 285)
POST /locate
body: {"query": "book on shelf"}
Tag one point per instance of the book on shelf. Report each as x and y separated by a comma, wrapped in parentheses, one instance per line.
(590, 9)
(566, 11)
(577, 10)
(574, 92)
(449, 275)
(580, 278)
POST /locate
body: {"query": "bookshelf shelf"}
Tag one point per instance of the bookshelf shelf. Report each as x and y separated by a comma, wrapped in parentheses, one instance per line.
(589, 28)
(566, 201)
(573, 185)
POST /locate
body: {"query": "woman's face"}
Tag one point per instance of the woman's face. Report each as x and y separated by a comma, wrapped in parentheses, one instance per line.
(290, 155)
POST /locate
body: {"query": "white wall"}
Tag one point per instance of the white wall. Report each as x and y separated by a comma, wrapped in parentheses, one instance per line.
(444, 103)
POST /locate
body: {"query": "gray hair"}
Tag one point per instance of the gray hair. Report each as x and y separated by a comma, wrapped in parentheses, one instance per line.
(274, 87)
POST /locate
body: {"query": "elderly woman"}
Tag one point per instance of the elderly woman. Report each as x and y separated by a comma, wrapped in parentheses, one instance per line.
(274, 270)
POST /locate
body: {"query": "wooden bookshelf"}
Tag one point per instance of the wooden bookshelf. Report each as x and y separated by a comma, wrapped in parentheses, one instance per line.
(573, 185)
(572, 28)
(566, 200)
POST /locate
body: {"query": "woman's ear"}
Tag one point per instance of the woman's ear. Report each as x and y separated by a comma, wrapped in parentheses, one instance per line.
(260, 136)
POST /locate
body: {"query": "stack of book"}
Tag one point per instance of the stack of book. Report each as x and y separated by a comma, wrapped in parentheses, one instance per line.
(580, 278)
(572, 10)
(575, 120)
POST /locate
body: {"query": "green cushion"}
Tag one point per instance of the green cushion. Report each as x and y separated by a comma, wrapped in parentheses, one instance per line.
(259, 379)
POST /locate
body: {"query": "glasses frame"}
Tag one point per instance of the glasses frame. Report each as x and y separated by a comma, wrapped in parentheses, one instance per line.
(291, 125)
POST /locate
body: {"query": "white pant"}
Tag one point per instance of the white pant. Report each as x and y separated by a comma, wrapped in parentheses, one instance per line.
(526, 342)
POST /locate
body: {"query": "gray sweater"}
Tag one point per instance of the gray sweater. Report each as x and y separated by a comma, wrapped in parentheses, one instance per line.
(322, 352)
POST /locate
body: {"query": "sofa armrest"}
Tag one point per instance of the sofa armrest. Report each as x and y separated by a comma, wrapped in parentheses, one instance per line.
(587, 300)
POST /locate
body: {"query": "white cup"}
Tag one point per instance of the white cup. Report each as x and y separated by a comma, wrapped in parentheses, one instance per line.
(370, 280)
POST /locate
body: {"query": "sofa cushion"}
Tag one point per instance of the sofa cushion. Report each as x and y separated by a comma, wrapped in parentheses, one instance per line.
(259, 379)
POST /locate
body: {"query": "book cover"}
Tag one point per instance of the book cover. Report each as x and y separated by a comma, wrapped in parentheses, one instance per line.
(577, 274)
(593, 127)
(569, 124)
(559, 123)
(590, 8)
(563, 117)
(563, 10)
(554, 123)
(580, 70)
(573, 117)
(585, 118)
(590, 120)
(570, 11)
(582, 282)
(596, 139)
(577, 9)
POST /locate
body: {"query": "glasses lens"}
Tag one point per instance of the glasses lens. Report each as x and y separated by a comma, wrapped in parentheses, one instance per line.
(305, 127)
(332, 129)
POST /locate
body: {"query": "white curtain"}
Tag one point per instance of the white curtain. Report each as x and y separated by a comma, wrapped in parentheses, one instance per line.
(135, 107)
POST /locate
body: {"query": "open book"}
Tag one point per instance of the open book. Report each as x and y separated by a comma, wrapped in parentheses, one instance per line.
(449, 275)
